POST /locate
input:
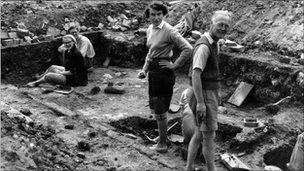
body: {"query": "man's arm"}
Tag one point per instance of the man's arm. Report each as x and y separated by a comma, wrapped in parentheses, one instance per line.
(197, 85)
(199, 62)
(83, 48)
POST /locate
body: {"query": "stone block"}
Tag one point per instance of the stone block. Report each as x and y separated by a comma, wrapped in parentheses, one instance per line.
(53, 31)
(48, 37)
(4, 34)
(12, 35)
(284, 59)
(7, 42)
(126, 23)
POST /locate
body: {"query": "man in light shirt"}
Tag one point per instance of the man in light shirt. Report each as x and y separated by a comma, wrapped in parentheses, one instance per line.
(205, 82)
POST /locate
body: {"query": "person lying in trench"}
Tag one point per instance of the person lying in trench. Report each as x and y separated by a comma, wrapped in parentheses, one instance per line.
(72, 74)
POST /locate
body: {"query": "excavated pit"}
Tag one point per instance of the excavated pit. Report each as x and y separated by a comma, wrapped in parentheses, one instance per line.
(279, 156)
(147, 127)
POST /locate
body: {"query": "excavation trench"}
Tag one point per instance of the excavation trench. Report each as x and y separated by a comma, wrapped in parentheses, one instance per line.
(279, 156)
(271, 80)
(147, 127)
(128, 51)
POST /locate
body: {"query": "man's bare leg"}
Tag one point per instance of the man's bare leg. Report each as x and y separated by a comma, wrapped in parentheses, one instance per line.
(192, 149)
(209, 149)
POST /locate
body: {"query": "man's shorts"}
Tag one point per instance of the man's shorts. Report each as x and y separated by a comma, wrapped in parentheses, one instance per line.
(211, 100)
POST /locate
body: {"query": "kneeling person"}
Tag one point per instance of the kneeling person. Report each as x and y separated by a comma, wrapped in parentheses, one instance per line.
(188, 104)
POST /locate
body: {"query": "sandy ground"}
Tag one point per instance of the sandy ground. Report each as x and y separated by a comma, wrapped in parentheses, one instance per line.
(109, 147)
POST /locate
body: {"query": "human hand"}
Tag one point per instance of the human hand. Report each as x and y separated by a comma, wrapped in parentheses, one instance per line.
(200, 113)
(167, 64)
(142, 74)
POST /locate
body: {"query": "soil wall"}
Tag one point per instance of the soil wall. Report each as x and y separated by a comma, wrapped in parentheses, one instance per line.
(272, 81)
(21, 63)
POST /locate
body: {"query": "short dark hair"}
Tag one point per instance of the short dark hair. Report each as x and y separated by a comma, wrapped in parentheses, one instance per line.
(158, 6)
(72, 27)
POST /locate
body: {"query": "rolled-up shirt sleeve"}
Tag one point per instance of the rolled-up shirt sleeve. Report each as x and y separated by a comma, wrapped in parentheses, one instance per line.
(183, 45)
(200, 57)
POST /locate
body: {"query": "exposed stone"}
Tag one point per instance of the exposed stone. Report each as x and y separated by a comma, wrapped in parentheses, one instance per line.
(100, 25)
(69, 126)
(4, 34)
(81, 155)
(48, 37)
(110, 19)
(284, 59)
(301, 61)
(272, 109)
(28, 39)
(53, 31)
(95, 90)
(126, 23)
(83, 146)
(7, 42)
(26, 111)
(12, 35)
(63, 32)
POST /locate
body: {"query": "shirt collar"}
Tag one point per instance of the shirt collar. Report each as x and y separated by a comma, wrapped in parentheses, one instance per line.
(207, 34)
(160, 26)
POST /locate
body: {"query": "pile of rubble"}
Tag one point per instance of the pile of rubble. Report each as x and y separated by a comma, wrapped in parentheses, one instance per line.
(122, 23)
(21, 35)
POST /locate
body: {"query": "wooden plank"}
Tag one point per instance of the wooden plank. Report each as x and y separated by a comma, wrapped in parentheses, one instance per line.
(107, 61)
(233, 163)
(240, 93)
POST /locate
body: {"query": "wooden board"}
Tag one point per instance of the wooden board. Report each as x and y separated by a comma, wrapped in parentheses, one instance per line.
(64, 91)
(107, 61)
(240, 93)
(233, 163)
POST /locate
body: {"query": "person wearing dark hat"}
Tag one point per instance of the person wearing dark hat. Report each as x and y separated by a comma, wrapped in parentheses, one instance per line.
(72, 74)
(161, 37)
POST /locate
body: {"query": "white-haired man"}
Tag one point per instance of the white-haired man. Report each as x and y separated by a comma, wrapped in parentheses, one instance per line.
(205, 81)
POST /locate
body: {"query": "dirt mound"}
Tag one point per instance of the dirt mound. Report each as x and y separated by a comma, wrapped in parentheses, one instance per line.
(38, 17)
(261, 25)
(32, 146)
